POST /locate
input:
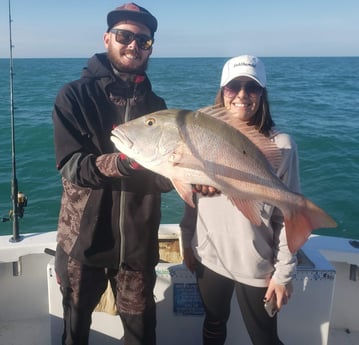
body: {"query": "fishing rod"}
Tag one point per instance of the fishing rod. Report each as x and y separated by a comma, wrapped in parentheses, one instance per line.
(19, 200)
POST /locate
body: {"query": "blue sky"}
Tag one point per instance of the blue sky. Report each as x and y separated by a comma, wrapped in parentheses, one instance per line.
(187, 28)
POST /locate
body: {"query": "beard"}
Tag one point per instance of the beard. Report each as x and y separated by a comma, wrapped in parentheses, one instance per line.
(139, 65)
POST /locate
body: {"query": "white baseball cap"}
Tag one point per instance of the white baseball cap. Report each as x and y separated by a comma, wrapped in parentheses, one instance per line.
(244, 66)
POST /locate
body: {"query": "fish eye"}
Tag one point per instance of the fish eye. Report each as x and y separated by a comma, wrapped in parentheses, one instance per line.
(151, 121)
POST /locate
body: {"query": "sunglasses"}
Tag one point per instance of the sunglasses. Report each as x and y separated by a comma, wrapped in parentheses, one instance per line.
(126, 37)
(250, 87)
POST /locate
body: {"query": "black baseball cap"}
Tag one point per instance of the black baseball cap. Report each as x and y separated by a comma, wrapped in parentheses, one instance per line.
(132, 11)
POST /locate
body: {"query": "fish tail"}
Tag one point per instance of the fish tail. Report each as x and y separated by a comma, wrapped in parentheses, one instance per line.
(302, 221)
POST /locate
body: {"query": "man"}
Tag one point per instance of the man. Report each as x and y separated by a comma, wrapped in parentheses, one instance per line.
(110, 210)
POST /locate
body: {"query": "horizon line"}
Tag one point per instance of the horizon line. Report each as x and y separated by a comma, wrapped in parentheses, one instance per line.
(191, 57)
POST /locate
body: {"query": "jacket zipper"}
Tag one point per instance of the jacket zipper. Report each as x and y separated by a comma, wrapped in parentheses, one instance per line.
(123, 194)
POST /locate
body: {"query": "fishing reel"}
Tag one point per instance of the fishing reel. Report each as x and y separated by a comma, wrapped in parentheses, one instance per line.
(21, 204)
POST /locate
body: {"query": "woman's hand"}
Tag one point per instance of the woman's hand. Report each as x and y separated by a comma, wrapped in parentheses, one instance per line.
(205, 190)
(282, 293)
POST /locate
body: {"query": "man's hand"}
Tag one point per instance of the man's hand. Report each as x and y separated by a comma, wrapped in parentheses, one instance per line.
(126, 165)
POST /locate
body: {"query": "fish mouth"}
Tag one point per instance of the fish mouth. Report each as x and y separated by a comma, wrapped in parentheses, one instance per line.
(120, 139)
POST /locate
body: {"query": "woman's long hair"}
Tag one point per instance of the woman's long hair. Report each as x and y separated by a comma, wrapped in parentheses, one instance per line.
(262, 120)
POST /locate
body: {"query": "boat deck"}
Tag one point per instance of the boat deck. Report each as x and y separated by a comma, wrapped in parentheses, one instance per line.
(37, 332)
(343, 337)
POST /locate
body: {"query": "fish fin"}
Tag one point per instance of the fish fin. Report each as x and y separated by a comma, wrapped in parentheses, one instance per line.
(184, 190)
(300, 223)
(250, 209)
(185, 160)
(267, 147)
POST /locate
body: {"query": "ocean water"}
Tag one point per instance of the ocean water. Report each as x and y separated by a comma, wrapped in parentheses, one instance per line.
(316, 100)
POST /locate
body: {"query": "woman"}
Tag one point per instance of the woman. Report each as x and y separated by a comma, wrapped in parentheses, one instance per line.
(229, 253)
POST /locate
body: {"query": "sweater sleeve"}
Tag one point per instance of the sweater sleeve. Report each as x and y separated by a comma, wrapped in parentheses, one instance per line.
(285, 262)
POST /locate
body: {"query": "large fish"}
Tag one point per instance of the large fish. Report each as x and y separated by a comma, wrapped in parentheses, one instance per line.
(191, 147)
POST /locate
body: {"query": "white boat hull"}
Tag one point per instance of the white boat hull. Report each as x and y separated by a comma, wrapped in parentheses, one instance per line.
(324, 308)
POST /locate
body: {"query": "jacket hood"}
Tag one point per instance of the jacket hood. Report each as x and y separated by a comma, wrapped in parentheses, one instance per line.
(99, 66)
